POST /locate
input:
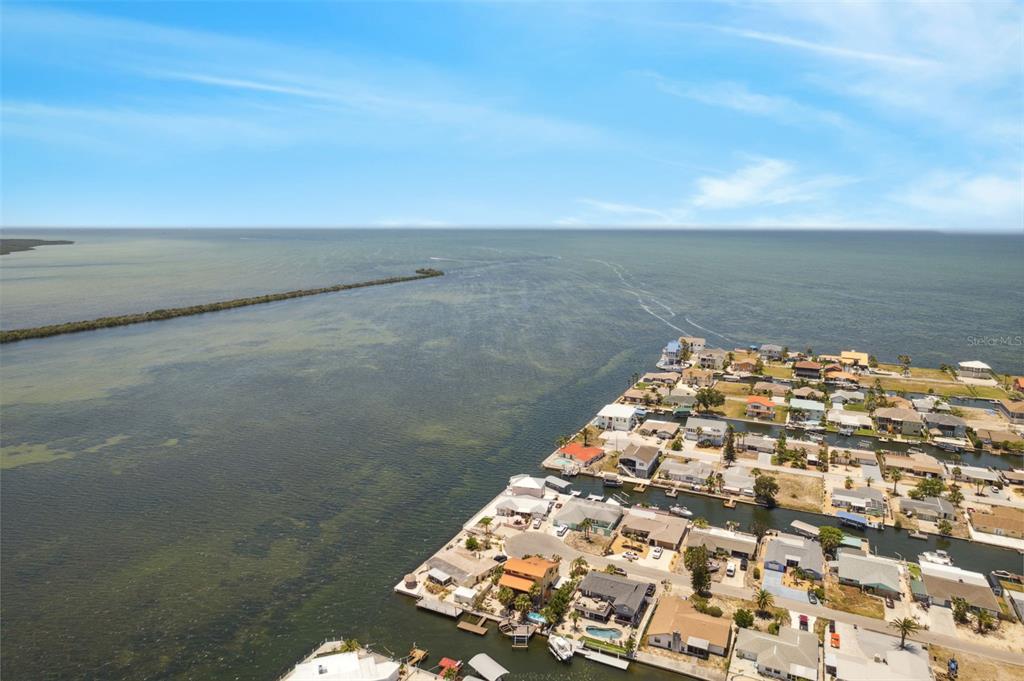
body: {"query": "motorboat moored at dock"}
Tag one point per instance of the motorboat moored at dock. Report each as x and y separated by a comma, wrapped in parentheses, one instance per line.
(561, 648)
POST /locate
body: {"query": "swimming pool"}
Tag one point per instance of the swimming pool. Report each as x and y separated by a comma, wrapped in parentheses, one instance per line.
(604, 632)
(537, 618)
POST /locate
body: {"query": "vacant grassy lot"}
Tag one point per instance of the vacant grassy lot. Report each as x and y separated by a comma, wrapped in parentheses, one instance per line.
(853, 600)
(778, 371)
(730, 388)
(973, 667)
(801, 492)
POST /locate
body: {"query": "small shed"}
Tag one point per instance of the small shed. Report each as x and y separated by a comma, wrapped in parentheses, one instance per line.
(439, 576)
(465, 595)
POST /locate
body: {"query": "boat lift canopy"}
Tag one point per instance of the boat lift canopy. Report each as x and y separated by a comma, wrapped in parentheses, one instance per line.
(486, 666)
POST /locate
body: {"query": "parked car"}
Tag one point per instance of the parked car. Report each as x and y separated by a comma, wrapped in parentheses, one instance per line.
(811, 598)
(630, 555)
(803, 622)
(656, 552)
(500, 558)
(888, 602)
(831, 626)
(743, 563)
(714, 566)
(536, 523)
(730, 570)
(618, 571)
(562, 529)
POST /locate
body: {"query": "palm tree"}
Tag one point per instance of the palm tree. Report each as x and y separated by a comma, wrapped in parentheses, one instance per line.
(486, 522)
(764, 600)
(700, 523)
(585, 525)
(895, 474)
(905, 625)
(579, 565)
(575, 617)
(985, 620)
(869, 480)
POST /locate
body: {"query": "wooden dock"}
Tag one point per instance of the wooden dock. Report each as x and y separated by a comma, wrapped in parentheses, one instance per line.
(477, 628)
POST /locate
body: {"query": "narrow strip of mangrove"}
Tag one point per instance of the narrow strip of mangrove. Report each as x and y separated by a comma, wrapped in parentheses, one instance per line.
(15, 335)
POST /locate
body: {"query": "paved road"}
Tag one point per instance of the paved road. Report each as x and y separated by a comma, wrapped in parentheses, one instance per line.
(540, 543)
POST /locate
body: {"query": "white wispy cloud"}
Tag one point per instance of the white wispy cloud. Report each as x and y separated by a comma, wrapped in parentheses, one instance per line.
(830, 50)
(763, 182)
(739, 97)
(958, 199)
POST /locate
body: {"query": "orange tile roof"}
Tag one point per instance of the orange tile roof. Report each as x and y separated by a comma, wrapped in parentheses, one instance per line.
(575, 450)
(760, 399)
(516, 583)
(534, 566)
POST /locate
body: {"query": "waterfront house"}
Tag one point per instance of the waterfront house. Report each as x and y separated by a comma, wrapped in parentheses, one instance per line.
(603, 516)
(847, 397)
(1013, 476)
(859, 457)
(945, 582)
(807, 369)
(692, 344)
(791, 655)
(873, 574)
(760, 407)
(854, 358)
(605, 595)
(526, 507)
(663, 430)
(583, 455)
(721, 541)
(756, 443)
(849, 419)
(932, 509)
(523, 574)
(1003, 521)
(691, 472)
(770, 352)
(654, 528)
(805, 411)
(770, 388)
(712, 358)
(460, 566)
(672, 353)
(666, 378)
(808, 393)
(738, 480)
(526, 486)
(701, 429)
(678, 627)
(841, 379)
(652, 394)
(355, 665)
(945, 425)
(899, 420)
(997, 438)
(616, 417)
(639, 461)
(1012, 410)
(916, 463)
(974, 369)
(865, 500)
(976, 475)
(783, 551)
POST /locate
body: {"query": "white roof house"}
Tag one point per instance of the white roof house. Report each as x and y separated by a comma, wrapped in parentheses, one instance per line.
(353, 666)
(849, 419)
(616, 417)
(617, 411)
(975, 365)
(526, 485)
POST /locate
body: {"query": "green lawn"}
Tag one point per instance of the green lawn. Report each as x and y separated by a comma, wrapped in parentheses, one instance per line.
(778, 371)
(603, 646)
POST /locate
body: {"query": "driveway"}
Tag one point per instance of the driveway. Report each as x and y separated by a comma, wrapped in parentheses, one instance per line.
(940, 620)
(773, 584)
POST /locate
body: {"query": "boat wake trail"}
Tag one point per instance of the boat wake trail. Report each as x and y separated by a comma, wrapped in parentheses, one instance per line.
(643, 297)
(707, 330)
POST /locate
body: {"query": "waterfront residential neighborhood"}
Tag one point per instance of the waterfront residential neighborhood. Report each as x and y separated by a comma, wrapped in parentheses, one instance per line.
(605, 557)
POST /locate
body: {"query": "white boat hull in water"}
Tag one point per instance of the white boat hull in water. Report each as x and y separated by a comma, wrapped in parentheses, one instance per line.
(560, 648)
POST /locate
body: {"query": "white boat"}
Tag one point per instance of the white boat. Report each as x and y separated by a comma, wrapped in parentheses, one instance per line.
(681, 511)
(595, 497)
(560, 647)
(939, 557)
(574, 493)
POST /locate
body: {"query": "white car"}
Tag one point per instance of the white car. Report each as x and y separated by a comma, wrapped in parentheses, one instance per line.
(536, 523)
(730, 570)
(656, 553)
(629, 555)
(562, 529)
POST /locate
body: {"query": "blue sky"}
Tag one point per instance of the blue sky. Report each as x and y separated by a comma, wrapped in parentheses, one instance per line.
(831, 114)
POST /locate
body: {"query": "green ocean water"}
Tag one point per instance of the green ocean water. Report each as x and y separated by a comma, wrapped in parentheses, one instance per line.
(208, 497)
